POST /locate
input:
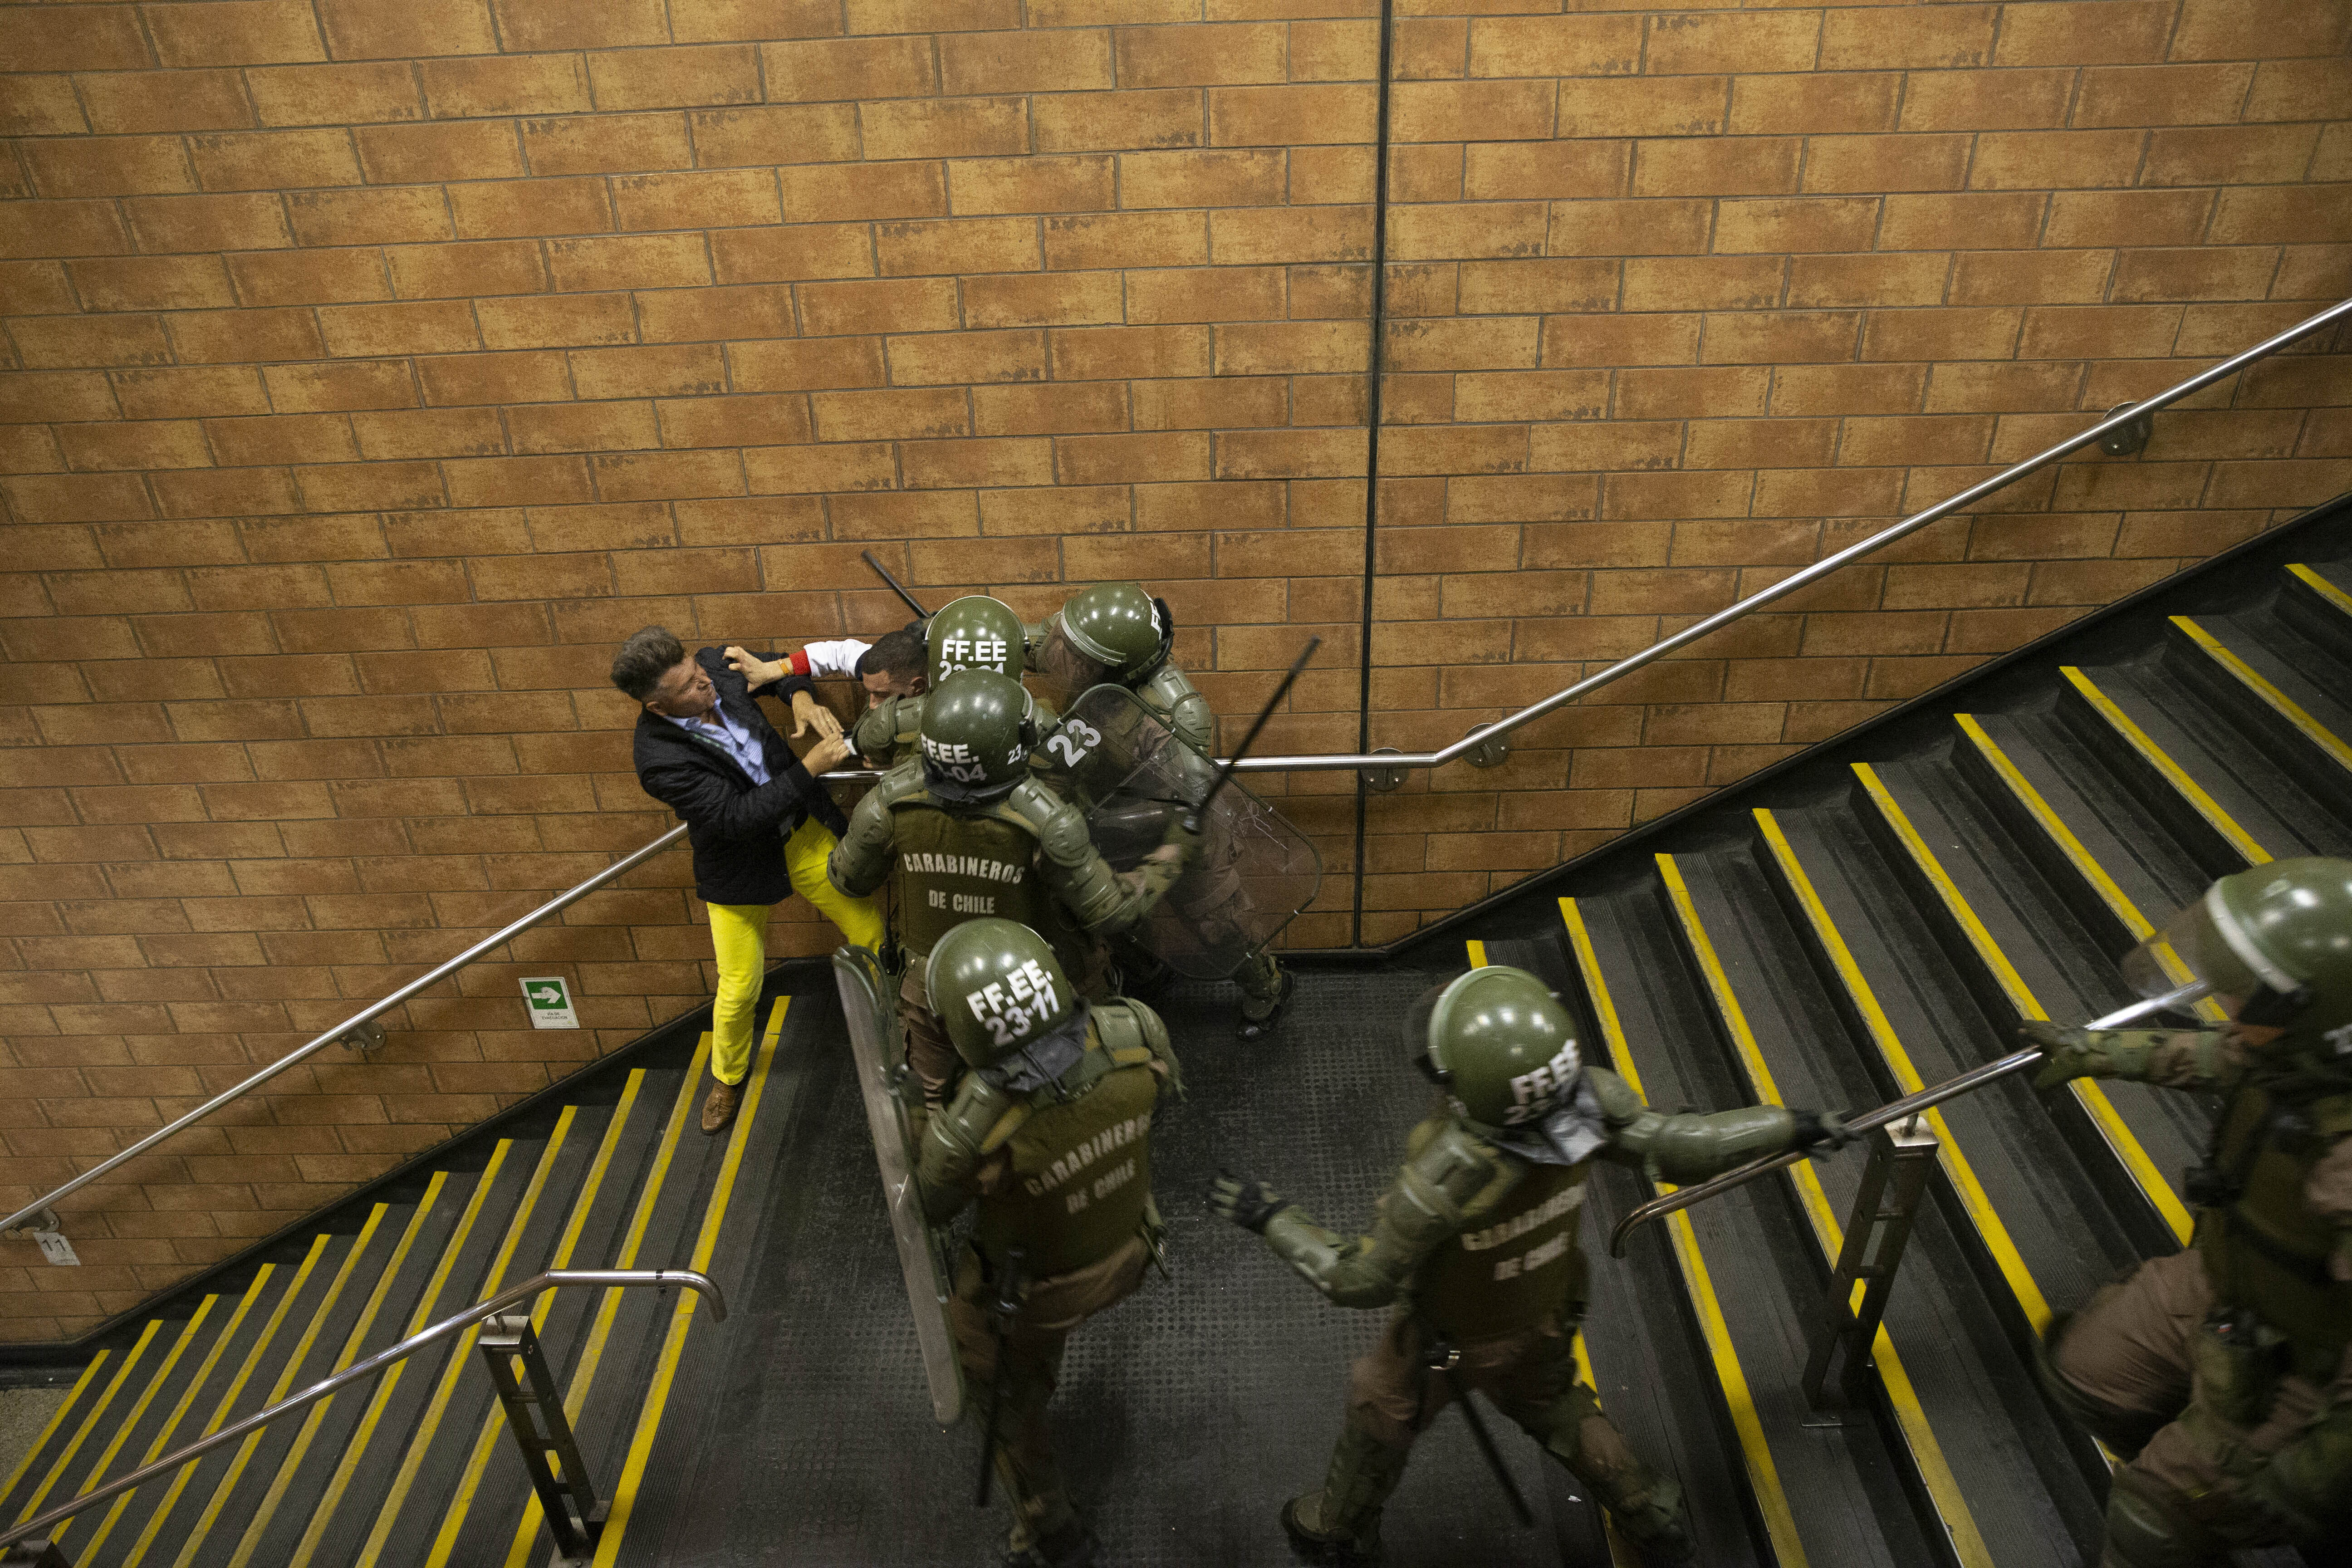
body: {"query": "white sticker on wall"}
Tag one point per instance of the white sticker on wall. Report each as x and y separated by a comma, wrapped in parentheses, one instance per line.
(57, 1249)
(549, 996)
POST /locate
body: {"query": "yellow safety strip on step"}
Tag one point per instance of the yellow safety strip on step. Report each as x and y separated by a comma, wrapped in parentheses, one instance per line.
(90, 1422)
(1763, 1475)
(130, 1419)
(494, 1424)
(1951, 1505)
(460, 1366)
(188, 1402)
(2323, 588)
(57, 1418)
(1973, 1197)
(88, 1550)
(714, 1216)
(428, 1306)
(2279, 702)
(194, 1546)
(291, 1466)
(1618, 1553)
(2054, 827)
(528, 1539)
(2187, 788)
(255, 1357)
(2120, 1138)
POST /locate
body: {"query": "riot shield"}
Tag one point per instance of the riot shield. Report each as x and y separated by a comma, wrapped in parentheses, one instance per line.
(925, 1251)
(1129, 774)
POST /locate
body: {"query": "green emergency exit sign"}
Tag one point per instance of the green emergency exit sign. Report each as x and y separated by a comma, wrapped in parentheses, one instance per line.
(550, 999)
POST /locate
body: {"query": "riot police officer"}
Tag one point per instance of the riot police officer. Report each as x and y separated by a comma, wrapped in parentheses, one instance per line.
(966, 830)
(974, 632)
(2221, 1373)
(1050, 1131)
(1475, 1244)
(1115, 632)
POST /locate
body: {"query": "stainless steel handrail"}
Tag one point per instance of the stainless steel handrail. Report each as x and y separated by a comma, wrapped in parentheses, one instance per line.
(1809, 575)
(374, 1010)
(1330, 763)
(661, 1278)
(1893, 1110)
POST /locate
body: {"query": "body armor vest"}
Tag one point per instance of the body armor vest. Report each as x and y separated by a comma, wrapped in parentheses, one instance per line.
(1081, 1170)
(2265, 1249)
(1517, 1266)
(953, 868)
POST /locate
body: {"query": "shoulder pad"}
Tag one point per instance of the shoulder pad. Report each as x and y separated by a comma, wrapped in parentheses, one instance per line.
(979, 1119)
(1132, 1034)
(1619, 1104)
(1458, 1166)
(901, 786)
(1060, 826)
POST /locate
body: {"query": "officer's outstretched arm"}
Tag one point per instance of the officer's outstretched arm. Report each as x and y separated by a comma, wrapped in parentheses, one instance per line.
(1691, 1146)
(1443, 1182)
(1105, 901)
(958, 1142)
(2170, 1058)
(861, 861)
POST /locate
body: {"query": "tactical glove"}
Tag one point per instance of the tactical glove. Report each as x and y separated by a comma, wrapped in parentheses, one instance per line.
(1818, 1130)
(1183, 835)
(2070, 1055)
(1249, 1204)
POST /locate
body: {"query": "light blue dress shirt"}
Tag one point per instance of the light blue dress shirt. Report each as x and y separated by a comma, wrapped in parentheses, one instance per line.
(732, 738)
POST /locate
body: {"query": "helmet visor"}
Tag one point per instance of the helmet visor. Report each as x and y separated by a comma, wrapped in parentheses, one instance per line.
(2189, 949)
(1065, 670)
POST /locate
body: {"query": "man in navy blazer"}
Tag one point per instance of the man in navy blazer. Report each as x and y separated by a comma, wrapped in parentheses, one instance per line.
(761, 825)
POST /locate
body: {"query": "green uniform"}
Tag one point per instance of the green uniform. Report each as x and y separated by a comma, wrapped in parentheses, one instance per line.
(886, 733)
(1061, 1170)
(1474, 1244)
(2247, 1440)
(1023, 856)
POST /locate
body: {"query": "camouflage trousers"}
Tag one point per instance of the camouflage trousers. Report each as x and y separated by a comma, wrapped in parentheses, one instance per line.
(2127, 1367)
(1051, 1311)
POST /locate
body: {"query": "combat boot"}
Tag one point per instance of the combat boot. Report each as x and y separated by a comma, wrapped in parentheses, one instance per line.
(1266, 989)
(1645, 1507)
(1339, 1526)
(1072, 1546)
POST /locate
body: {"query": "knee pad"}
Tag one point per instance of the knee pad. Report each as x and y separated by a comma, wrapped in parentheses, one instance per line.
(2125, 1431)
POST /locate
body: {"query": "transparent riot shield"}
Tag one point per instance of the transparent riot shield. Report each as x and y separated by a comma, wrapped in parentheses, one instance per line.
(1130, 773)
(925, 1251)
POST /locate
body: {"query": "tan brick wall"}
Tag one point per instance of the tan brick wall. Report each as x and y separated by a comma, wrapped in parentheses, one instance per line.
(374, 366)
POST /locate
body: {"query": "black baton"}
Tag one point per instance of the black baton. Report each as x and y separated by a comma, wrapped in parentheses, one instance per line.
(1443, 1358)
(884, 572)
(1225, 774)
(1000, 1315)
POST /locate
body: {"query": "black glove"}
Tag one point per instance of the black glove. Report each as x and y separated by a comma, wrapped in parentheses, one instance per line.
(1820, 1129)
(1249, 1204)
(1182, 835)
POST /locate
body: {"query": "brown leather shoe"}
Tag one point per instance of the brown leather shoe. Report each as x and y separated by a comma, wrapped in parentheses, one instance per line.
(718, 1111)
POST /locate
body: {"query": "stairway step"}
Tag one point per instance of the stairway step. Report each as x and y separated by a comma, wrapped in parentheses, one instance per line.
(2315, 598)
(59, 1478)
(63, 1423)
(494, 1492)
(2226, 825)
(315, 1454)
(1744, 1261)
(2028, 960)
(2014, 1503)
(655, 1512)
(599, 1369)
(2264, 691)
(366, 1467)
(135, 1422)
(437, 1444)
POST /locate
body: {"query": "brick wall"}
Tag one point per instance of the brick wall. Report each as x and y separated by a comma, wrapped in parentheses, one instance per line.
(373, 367)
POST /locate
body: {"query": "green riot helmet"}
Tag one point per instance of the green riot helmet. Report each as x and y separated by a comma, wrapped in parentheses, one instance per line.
(2276, 941)
(974, 632)
(1112, 631)
(977, 733)
(1500, 1045)
(998, 989)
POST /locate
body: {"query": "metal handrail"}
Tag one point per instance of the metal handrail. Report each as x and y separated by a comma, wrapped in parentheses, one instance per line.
(374, 1010)
(1332, 762)
(660, 1278)
(1893, 1110)
(2129, 414)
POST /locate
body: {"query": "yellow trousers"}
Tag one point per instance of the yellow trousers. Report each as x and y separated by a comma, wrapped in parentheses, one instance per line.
(738, 935)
